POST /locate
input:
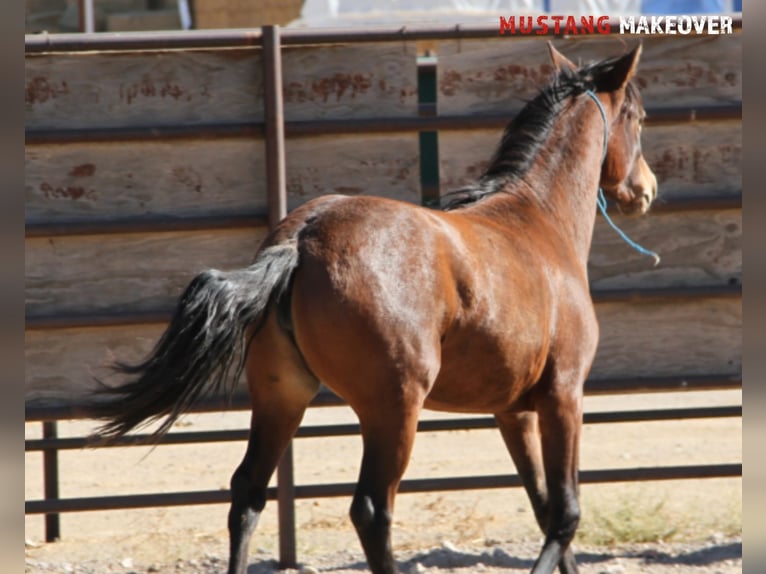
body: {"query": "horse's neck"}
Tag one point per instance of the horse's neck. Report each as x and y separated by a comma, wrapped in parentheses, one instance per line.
(563, 180)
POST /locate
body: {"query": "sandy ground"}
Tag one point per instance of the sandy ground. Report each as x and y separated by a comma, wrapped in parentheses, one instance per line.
(670, 526)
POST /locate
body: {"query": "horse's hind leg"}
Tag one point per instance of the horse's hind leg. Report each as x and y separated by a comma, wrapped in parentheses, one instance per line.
(280, 391)
(388, 432)
(560, 419)
(521, 434)
(268, 439)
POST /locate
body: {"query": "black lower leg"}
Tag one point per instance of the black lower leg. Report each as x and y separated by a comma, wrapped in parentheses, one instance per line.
(247, 502)
(373, 526)
(563, 519)
(521, 435)
(567, 564)
(561, 530)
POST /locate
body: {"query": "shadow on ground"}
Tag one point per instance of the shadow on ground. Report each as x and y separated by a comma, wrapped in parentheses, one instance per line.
(498, 558)
(701, 557)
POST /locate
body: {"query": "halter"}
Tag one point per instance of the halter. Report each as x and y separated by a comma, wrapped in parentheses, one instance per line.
(601, 199)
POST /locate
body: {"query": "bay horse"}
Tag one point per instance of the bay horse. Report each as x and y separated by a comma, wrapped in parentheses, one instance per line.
(483, 306)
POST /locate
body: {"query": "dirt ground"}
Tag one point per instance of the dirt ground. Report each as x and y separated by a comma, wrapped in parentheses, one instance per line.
(669, 526)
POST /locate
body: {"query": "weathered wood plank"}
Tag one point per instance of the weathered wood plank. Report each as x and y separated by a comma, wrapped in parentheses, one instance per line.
(499, 75)
(146, 272)
(698, 248)
(61, 365)
(350, 81)
(697, 159)
(650, 339)
(108, 180)
(384, 164)
(126, 273)
(188, 87)
(78, 182)
(112, 89)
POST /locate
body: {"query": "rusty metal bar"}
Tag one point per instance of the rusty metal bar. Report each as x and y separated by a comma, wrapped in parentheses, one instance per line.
(51, 481)
(662, 384)
(153, 224)
(111, 319)
(142, 133)
(703, 203)
(87, 16)
(655, 116)
(288, 554)
(81, 25)
(43, 410)
(118, 41)
(194, 39)
(306, 128)
(158, 224)
(326, 398)
(351, 429)
(662, 415)
(732, 470)
(586, 477)
(276, 189)
(666, 294)
(670, 115)
(276, 186)
(131, 501)
(118, 319)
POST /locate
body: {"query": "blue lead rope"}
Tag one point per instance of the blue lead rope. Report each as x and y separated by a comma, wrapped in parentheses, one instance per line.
(601, 202)
(601, 199)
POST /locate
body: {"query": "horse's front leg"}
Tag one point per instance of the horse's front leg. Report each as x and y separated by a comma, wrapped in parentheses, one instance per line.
(560, 421)
(521, 433)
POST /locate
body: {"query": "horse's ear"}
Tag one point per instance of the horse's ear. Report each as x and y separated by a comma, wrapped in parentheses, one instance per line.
(560, 61)
(621, 72)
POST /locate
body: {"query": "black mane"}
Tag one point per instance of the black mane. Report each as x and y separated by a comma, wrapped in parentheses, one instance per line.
(527, 133)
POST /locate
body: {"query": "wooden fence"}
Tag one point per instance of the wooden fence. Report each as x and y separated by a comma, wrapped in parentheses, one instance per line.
(146, 162)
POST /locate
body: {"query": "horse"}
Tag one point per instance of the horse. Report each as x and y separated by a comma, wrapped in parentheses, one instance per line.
(480, 306)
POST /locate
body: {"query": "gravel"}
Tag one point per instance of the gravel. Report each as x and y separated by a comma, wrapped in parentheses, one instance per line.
(717, 556)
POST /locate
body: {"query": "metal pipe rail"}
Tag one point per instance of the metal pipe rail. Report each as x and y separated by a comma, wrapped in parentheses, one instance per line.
(326, 398)
(286, 494)
(191, 39)
(199, 437)
(307, 128)
(732, 470)
(418, 485)
(161, 316)
(146, 224)
(158, 224)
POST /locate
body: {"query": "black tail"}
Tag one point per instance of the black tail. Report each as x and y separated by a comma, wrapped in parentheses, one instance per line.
(202, 349)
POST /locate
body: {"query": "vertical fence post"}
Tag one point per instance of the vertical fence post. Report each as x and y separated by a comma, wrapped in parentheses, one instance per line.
(428, 140)
(51, 482)
(277, 200)
(87, 16)
(275, 125)
(286, 501)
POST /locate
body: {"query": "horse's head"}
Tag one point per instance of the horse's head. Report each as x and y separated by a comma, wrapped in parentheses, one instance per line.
(625, 175)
